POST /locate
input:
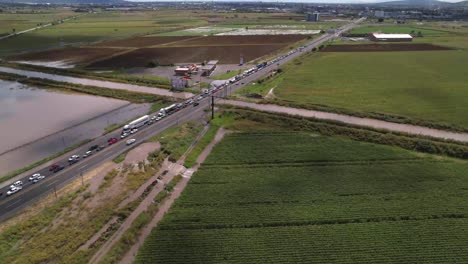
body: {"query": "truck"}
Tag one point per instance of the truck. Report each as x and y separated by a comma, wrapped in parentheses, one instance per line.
(167, 110)
(136, 123)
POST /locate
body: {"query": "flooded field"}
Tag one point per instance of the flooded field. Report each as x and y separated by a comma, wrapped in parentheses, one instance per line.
(27, 114)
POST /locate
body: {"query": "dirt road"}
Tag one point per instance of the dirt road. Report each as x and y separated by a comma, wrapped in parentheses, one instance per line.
(368, 122)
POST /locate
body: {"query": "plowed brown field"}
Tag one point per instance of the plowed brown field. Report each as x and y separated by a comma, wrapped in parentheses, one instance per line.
(169, 55)
(383, 47)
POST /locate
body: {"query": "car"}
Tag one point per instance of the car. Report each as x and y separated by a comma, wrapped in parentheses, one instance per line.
(112, 141)
(195, 104)
(53, 167)
(199, 98)
(94, 147)
(58, 168)
(131, 141)
(87, 154)
(74, 158)
(180, 105)
(100, 148)
(153, 118)
(158, 118)
(14, 190)
(133, 131)
(34, 176)
(38, 178)
(16, 184)
(124, 135)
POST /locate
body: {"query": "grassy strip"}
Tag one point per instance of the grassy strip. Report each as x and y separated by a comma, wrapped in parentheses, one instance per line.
(118, 250)
(120, 158)
(227, 75)
(152, 81)
(331, 128)
(42, 161)
(374, 115)
(134, 97)
(175, 141)
(191, 158)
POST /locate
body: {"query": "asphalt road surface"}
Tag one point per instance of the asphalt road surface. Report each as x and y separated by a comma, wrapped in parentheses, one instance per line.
(30, 193)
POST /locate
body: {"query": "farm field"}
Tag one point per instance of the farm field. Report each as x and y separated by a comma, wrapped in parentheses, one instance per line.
(419, 81)
(95, 27)
(27, 18)
(425, 85)
(277, 197)
(226, 49)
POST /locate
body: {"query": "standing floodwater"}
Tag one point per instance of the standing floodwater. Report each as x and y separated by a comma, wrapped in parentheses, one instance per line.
(27, 114)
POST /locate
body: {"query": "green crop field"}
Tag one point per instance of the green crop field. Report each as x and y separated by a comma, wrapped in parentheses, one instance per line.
(427, 86)
(290, 197)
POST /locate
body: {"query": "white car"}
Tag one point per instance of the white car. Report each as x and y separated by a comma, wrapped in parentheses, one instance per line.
(14, 190)
(34, 176)
(74, 158)
(153, 118)
(131, 141)
(88, 153)
(133, 131)
(124, 135)
(158, 118)
(38, 178)
(16, 184)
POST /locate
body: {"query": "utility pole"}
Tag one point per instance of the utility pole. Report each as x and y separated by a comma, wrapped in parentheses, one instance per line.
(212, 107)
(55, 191)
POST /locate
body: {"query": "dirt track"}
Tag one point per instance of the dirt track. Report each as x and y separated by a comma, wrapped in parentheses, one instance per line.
(383, 47)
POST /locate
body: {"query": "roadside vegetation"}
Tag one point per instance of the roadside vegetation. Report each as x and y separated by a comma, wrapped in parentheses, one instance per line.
(259, 189)
(144, 80)
(73, 228)
(175, 141)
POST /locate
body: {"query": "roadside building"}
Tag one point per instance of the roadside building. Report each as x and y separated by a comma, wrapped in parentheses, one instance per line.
(314, 17)
(379, 14)
(377, 37)
(209, 67)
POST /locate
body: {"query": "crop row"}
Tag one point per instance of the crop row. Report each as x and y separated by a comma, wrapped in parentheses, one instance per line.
(435, 241)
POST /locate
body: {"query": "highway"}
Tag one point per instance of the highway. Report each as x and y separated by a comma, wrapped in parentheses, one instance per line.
(30, 193)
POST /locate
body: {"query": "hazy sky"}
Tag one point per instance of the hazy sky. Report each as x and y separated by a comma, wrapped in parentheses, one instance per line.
(296, 1)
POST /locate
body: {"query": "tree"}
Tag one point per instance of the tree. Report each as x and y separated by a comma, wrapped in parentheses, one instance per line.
(246, 28)
(14, 30)
(420, 34)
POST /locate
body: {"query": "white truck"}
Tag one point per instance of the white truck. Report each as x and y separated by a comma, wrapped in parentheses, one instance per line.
(167, 110)
(136, 123)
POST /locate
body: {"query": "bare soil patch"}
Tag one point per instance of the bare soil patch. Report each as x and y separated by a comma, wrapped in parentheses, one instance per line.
(74, 55)
(383, 47)
(173, 55)
(140, 42)
(141, 152)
